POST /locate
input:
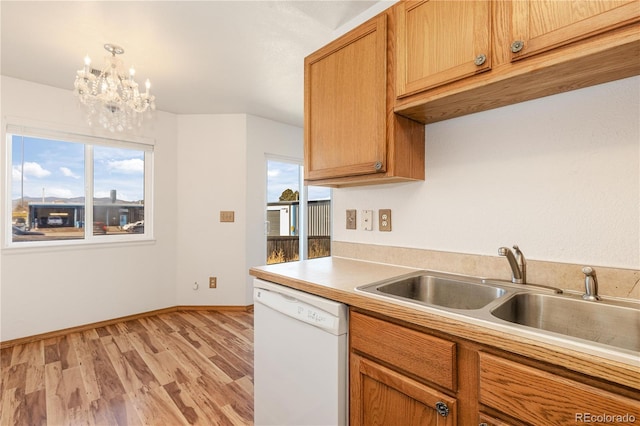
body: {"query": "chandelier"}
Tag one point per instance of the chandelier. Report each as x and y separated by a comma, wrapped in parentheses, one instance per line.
(111, 95)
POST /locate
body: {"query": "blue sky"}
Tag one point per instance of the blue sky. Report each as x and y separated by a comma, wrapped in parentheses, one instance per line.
(281, 176)
(58, 168)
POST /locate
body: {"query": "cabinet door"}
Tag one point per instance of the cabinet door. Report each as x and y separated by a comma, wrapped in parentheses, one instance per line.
(345, 104)
(381, 396)
(440, 42)
(541, 25)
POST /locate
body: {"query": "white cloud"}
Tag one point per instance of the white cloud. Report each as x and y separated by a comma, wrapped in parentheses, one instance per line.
(15, 174)
(67, 172)
(134, 165)
(273, 173)
(31, 169)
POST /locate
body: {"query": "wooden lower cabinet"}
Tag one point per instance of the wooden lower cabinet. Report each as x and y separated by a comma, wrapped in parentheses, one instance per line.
(382, 396)
(487, 420)
(536, 396)
(401, 374)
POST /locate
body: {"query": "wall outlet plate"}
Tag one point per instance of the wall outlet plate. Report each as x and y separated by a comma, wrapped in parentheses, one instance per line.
(367, 220)
(351, 219)
(213, 282)
(384, 220)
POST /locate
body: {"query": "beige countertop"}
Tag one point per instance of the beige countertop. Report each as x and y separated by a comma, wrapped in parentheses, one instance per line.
(336, 278)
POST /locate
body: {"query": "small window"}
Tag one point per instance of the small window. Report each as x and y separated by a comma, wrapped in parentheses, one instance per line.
(65, 190)
(291, 234)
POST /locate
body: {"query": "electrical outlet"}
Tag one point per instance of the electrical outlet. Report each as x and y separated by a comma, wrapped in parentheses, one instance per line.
(213, 282)
(367, 220)
(351, 219)
(384, 220)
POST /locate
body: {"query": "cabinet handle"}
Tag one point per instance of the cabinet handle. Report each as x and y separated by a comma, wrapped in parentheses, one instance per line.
(483, 424)
(517, 46)
(442, 409)
(480, 59)
(378, 165)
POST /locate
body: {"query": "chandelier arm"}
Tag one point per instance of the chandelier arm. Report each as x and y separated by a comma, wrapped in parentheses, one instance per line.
(112, 97)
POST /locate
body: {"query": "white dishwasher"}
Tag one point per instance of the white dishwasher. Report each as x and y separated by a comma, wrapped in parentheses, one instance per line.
(301, 358)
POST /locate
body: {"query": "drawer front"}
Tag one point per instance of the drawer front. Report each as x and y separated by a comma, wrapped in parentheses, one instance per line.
(422, 355)
(487, 420)
(539, 397)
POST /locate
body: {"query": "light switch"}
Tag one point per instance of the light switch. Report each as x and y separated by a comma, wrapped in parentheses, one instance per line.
(367, 220)
(351, 219)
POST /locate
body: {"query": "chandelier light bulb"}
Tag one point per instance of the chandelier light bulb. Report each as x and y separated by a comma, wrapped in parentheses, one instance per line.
(111, 96)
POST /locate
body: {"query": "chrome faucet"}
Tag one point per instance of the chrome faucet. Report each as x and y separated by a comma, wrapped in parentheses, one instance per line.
(590, 284)
(517, 262)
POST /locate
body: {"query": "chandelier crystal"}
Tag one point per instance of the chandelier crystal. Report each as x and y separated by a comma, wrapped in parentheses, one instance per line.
(111, 95)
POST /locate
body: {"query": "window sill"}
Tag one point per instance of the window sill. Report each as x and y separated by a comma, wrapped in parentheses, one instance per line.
(70, 245)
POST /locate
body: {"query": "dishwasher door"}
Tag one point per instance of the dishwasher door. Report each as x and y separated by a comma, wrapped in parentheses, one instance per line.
(301, 359)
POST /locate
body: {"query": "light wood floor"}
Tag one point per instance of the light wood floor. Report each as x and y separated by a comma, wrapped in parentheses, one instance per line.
(179, 368)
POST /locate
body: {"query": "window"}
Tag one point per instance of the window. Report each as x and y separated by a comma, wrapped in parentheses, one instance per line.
(291, 234)
(69, 187)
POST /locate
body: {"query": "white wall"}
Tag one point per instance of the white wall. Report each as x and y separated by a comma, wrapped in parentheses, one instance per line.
(560, 176)
(222, 166)
(51, 289)
(211, 178)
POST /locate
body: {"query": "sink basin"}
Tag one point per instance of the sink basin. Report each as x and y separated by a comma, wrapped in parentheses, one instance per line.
(438, 291)
(609, 324)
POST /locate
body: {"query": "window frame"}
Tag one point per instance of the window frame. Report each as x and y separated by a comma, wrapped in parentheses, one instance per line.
(145, 145)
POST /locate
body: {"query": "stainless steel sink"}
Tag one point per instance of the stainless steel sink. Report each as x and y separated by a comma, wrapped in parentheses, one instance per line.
(610, 324)
(439, 291)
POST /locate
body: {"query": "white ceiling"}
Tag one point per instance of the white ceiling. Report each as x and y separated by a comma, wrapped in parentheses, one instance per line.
(202, 57)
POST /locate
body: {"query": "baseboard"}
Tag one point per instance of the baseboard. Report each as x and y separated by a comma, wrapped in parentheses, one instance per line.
(248, 308)
(80, 328)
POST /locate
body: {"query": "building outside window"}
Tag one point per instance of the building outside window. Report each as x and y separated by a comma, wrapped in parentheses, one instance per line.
(71, 187)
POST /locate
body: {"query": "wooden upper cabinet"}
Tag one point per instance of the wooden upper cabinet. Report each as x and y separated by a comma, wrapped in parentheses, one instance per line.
(568, 45)
(541, 25)
(351, 134)
(345, 103)
(440, 42)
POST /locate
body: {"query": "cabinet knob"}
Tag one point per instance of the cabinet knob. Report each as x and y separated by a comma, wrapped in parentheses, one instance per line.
(517, 46)
(378, 165)
(442, 408)
(480, 59)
